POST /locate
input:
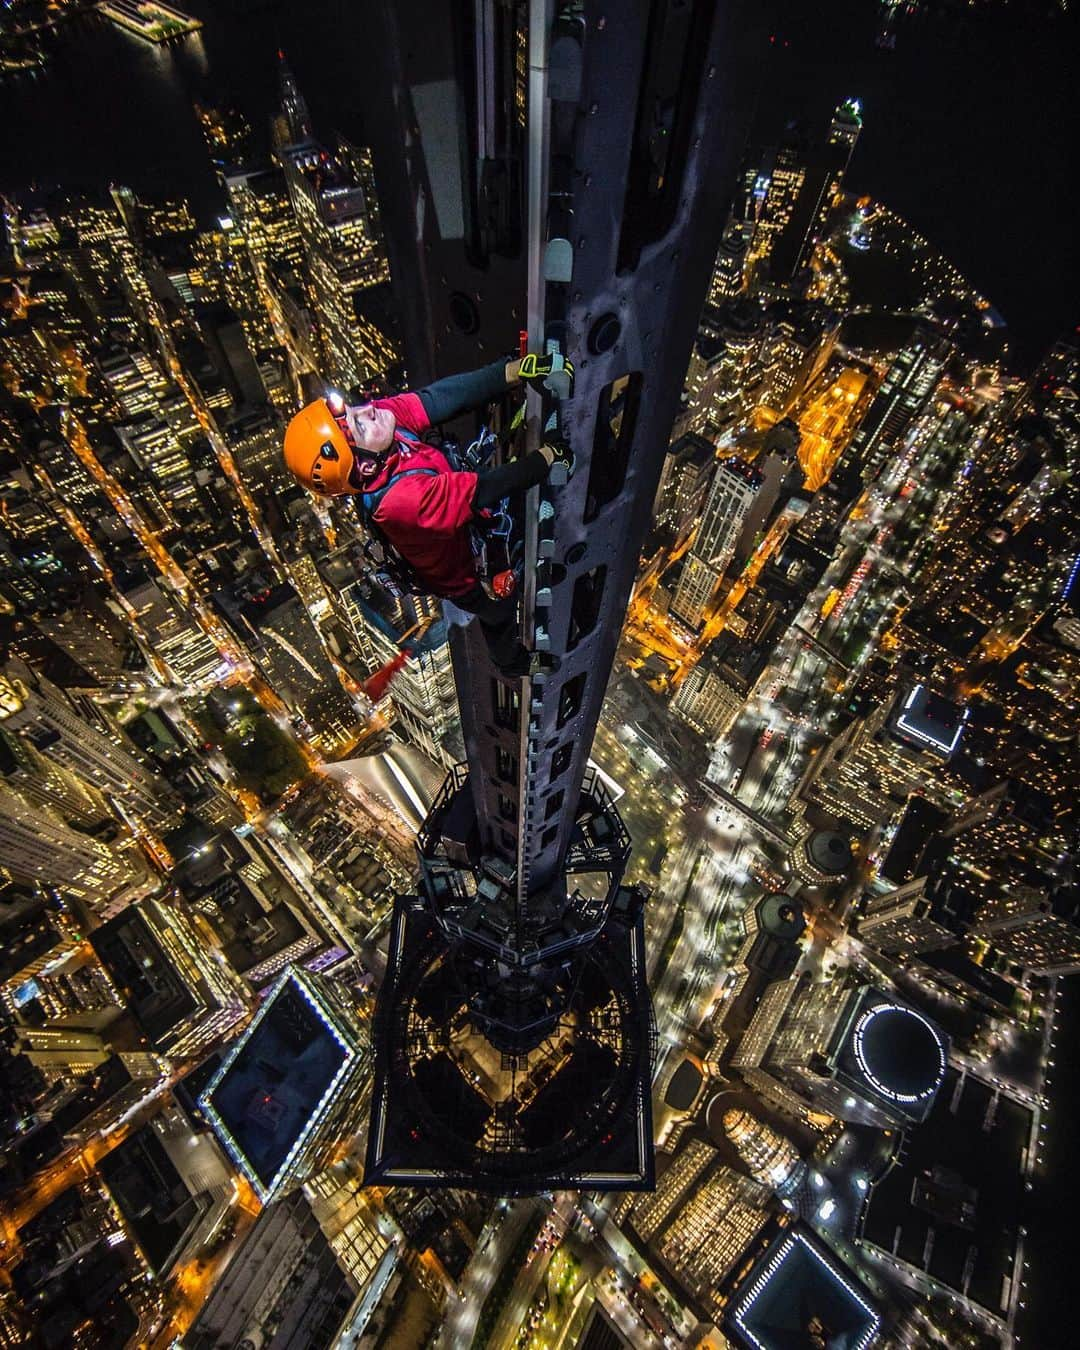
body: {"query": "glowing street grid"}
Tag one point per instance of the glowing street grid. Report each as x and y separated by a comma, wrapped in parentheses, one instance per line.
(272, 1092)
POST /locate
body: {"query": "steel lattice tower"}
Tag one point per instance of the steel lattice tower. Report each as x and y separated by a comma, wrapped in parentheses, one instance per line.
(598, 144)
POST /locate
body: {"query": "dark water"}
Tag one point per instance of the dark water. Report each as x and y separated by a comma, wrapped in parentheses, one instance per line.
(110, 107)
(968, 133)
(967, 123)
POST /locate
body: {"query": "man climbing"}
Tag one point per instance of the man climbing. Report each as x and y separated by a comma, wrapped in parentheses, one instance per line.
(410, 493)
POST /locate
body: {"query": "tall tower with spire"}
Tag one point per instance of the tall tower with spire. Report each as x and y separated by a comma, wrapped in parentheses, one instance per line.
(333, 200)
(294, 108)
(514, 1036)
(844, 129)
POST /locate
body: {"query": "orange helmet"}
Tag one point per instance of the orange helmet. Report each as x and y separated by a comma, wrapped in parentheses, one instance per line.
(317, 450)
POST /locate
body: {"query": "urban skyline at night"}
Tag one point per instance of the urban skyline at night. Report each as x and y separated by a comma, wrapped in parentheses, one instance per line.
(702, 976)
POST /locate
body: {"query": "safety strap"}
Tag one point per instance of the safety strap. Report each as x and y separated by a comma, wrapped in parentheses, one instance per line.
(493, 525)
(369, 501)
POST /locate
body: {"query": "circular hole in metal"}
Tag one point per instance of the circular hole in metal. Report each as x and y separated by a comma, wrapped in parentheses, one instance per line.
(464, 314)
(604, 334)
(575, 554)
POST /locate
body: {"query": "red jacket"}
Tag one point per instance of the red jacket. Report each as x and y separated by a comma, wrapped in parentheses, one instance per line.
(426, 516)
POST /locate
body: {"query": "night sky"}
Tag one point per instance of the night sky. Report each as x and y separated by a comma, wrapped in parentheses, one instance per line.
(968, 122)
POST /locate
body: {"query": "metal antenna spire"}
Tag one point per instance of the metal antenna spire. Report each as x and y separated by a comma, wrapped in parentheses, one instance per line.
(514, 1029)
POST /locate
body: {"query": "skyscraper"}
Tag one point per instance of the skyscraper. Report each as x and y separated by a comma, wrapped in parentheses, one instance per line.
(773, 1160)
(297, 666)
(733, 487)
(92, 635)
(706, 701)
(793, 190)
(422, 693)
(290, 1090)
(792, 1288)
(651, 1214)
(723, 373)
(907, 388)
(728, 278)
(719, 1218)
(181, 994)
(868, 771)
(254, 438)
(794, 352)
(173, 634)
(172, 1187)
(504, 845)
(900, 921)
(823, 1048)
(262, 215)
(45, 718)
(1035, 927)
(996, 867)
(698, 582)
(45, 783)
(285, 1286)
(339, 228)
(845, 127)
(684, 483)
(36, 844)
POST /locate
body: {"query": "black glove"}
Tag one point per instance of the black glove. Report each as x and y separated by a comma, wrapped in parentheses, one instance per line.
(550, 371)
(561, 454)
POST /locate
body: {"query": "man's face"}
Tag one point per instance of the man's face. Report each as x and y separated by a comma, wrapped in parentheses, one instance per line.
(371, 428)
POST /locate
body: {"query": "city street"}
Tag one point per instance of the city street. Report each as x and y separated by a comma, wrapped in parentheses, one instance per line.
(743, 436)
(496, 1242)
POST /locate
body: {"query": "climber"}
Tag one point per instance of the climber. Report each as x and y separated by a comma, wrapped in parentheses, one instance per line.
(409, 492)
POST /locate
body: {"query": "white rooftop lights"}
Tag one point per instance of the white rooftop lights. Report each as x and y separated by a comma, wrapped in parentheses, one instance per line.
(783, 1251)
(872, 1073)
(920, 733)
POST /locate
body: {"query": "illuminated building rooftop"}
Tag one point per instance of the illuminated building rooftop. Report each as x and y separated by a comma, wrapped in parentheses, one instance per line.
(928, 721)
(272, 1095)
(900, 1052)
(799, 1294)
(829, 852)
(892, 1054)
